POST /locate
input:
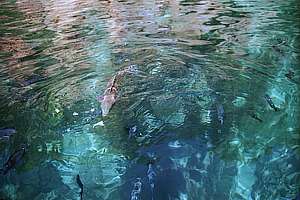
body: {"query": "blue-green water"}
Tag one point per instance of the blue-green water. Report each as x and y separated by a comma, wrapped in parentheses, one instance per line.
(193, 123)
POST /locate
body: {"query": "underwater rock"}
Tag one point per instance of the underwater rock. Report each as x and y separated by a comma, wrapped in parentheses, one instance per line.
(170, 183)
(9, 191)
(297, 197)
(13, 160)
(277, 175)
(47, 196)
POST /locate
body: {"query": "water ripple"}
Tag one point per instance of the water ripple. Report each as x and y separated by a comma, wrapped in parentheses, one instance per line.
(189, 59)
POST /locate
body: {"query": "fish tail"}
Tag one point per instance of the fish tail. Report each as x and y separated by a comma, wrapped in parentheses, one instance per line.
(81, 194)
(152, 193)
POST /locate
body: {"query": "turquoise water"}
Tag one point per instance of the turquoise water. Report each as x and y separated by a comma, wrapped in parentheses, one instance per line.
(211, 111)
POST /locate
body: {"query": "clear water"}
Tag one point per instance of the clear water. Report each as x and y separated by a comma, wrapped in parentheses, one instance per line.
(196, 59)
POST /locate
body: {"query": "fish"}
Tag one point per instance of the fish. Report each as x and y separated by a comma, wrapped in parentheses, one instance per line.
(290, 75)
(7, 132)
(13, 160)
(80, 184)
(137, 189)
(151, 178)
(270, 102)
(109, 96)
(280, 43)
(255, 116)
(220, 113)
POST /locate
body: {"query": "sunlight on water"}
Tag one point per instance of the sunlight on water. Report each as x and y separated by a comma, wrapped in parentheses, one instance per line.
(158, 100)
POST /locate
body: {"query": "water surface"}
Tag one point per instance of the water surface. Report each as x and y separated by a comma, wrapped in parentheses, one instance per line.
(194, 123)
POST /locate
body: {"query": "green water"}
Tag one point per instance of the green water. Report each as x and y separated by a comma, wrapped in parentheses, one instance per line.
(204, 128)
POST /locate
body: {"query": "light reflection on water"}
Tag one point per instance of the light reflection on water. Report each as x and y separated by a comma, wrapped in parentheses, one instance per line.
(195, 59)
